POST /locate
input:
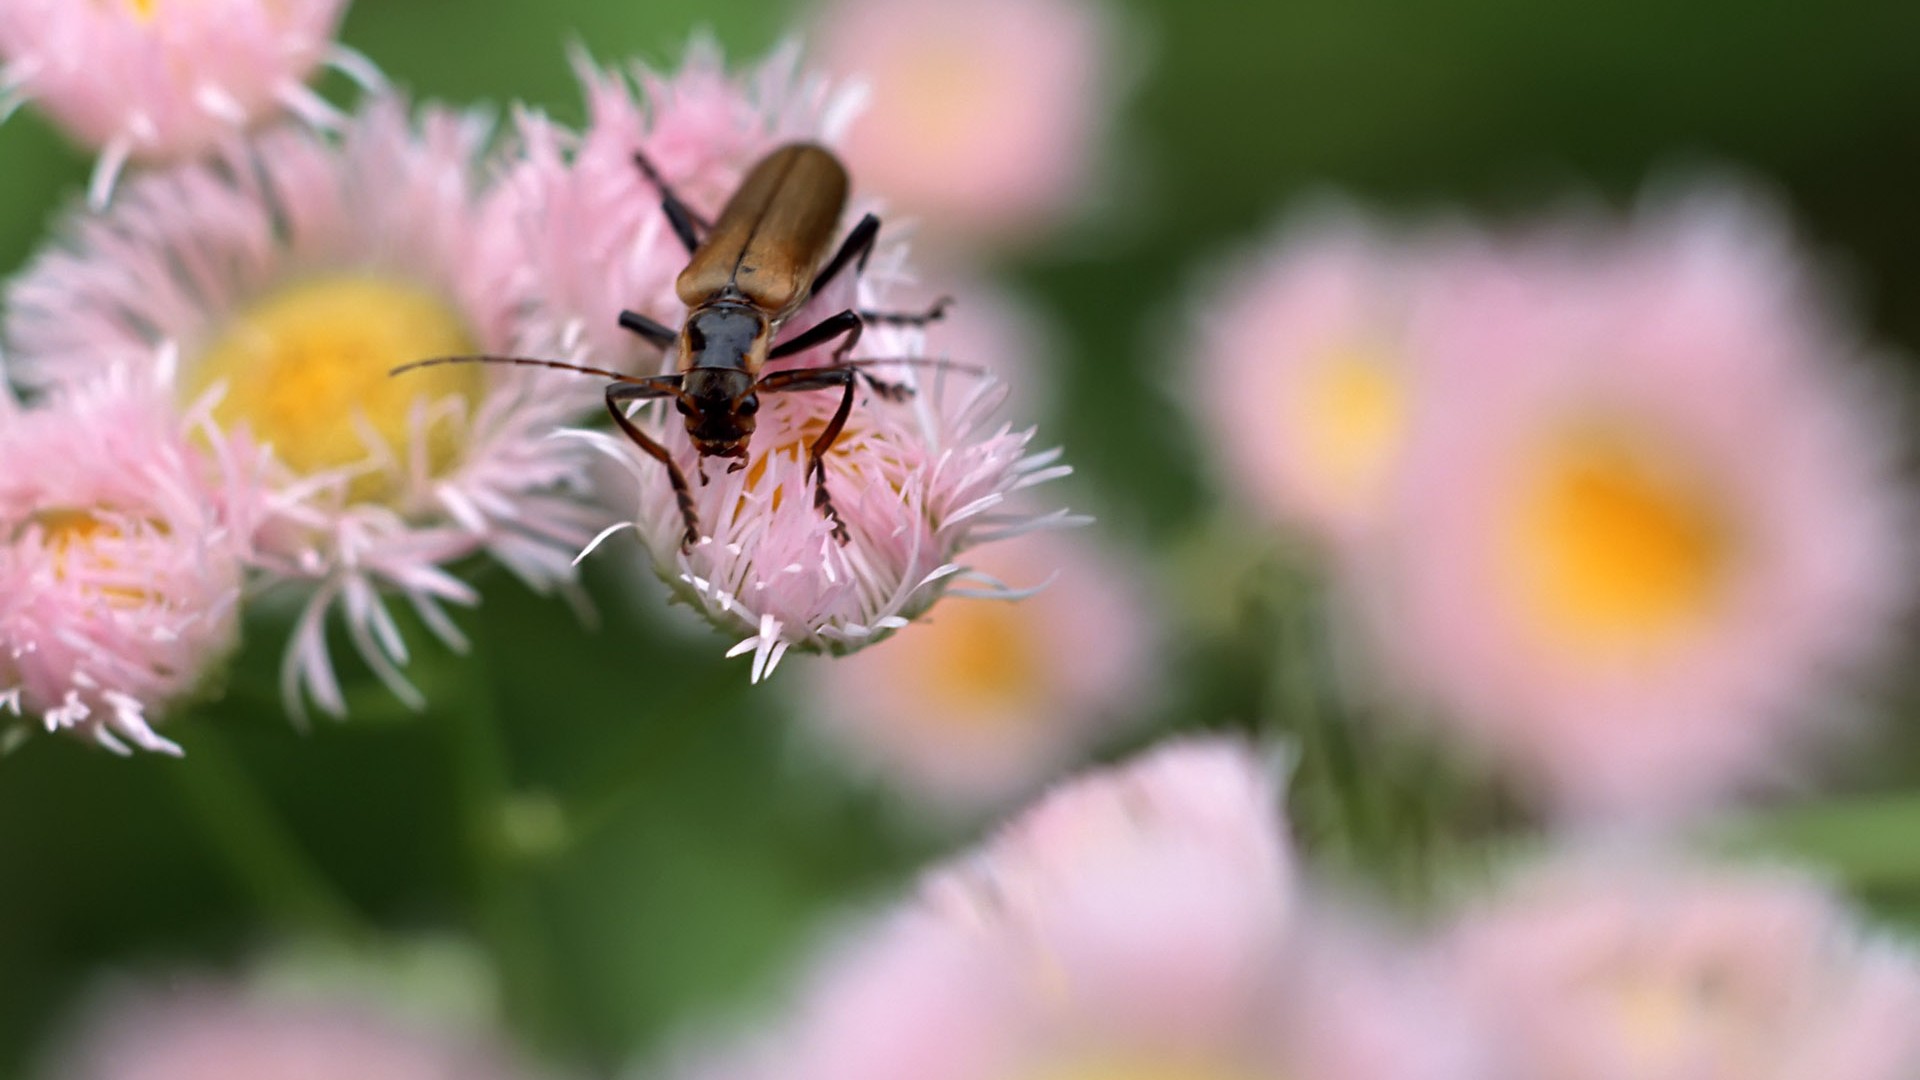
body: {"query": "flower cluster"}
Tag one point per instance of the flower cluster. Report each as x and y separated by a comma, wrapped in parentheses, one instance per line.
(1615, 496)
(266, 285)
(1155, 921)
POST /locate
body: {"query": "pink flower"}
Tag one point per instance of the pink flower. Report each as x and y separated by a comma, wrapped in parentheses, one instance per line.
(915, 483)
(162, 80)
(1621, 965)
(590, 223)
(1141, 922)
(120, 579)
(993, 693)
(1649, 516)
(290, 278)
(210, 1031)
(984, 122)
(1310, 360)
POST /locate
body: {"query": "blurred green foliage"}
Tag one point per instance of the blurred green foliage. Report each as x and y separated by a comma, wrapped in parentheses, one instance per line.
(615, 812)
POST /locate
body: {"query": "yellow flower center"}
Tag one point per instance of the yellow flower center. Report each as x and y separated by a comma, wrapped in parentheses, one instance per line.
(1664, 1017)
(306, 369)
(1348, 418)
(73, 539)
(1615, 548)
(981, 657)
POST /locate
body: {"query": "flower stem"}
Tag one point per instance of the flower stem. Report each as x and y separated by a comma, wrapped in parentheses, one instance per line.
(504, 910)
(263, 856)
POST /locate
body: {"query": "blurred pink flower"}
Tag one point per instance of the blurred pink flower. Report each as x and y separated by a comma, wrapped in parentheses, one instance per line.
(992, 694)
(162, 80)
(1648, 517)
(1141, 922)
(210, 1031)
(291, 277)
(1623, 965)
(1310, 361)
(985, 122)
(120, 579)
(916, 482)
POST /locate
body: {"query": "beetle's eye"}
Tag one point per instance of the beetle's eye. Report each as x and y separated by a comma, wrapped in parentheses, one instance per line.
(748, 405)
(681, 404)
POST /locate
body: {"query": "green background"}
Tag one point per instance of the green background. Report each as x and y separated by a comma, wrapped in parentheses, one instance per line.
(625, 823)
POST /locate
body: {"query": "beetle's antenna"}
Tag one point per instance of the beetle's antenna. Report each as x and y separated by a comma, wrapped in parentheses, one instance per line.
(903, 361)
(527, 361)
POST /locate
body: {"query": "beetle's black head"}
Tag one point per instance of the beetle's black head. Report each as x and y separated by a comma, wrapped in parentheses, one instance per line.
(719, 404)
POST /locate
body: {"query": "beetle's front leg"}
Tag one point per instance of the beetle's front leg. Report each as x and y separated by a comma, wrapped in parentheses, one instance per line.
(622, 392)
(819, 379)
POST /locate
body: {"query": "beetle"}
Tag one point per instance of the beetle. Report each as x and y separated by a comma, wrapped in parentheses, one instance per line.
(748, 272)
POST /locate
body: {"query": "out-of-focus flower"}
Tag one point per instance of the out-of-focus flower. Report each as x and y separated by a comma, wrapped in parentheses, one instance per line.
(986, 121)
(1140, 923)
(1310, 362)
(990, 695)
(1622, 965)
(213, 1031)
(915, 483)
(120, 573)
(1649, 514)
(289, 279)
(161, 80)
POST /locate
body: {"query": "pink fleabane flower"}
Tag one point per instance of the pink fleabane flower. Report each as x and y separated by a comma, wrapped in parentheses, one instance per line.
(1649, 517)
(162, 80)
(1310, 360)
(290, 278)
(986, 121)
(121, 570)
(989, 696)
(915, 483)
(1142, 922)
(596, 242)
(1624, 965)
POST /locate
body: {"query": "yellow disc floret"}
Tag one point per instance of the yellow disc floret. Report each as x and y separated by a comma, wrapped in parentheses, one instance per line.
(307, 370)
(982, 657)
(73, 540)
(1615, 548)
(1348, 418)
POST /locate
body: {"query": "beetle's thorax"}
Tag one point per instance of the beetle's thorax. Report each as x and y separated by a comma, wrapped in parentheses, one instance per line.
(726, 333)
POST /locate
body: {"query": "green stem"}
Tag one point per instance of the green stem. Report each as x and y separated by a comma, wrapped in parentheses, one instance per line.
(263, 856)
(505, 912)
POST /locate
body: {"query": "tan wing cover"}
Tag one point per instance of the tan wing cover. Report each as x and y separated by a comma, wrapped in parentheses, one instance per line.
(770, 239)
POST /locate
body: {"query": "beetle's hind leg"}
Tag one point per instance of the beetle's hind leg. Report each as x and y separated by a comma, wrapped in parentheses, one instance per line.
(687, 225)
(934, 313)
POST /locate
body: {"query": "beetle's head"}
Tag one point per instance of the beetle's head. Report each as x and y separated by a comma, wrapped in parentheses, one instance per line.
(719, 404)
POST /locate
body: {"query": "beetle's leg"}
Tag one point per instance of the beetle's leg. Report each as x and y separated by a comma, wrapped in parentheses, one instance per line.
(857, 246)
(658, 387)
(849, 323)
(819, 379)
(935, 312)
(660, 334)
(687, 225)
(833, 326)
